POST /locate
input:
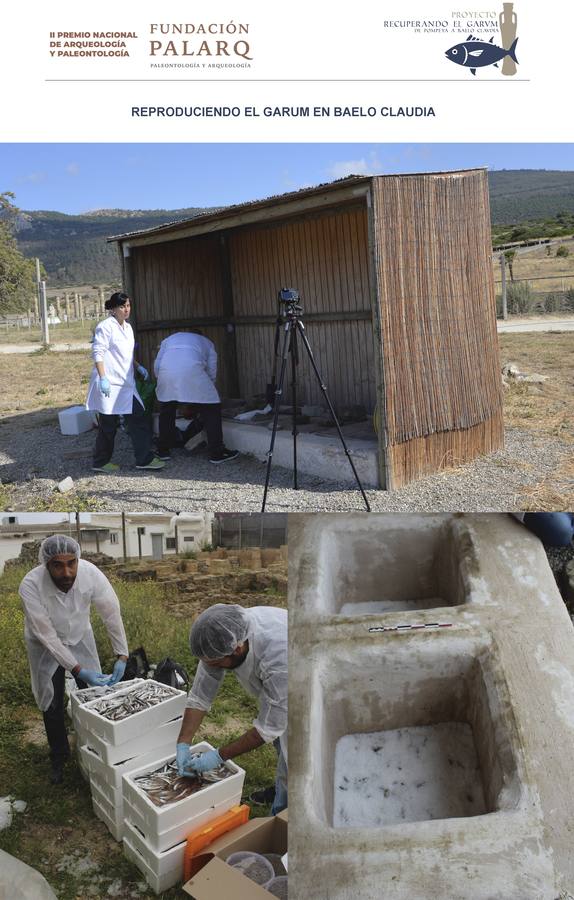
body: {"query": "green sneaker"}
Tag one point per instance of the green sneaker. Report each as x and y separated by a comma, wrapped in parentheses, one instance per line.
(154, 464)
(108, 469)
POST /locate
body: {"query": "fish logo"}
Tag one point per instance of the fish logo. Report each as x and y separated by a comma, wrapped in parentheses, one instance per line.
(475, 54)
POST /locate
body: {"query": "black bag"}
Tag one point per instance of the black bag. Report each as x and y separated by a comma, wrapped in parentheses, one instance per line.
(170, 672)
(137, 665)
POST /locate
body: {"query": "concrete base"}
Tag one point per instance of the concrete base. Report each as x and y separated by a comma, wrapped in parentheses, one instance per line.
(320, 455)
(483, 683)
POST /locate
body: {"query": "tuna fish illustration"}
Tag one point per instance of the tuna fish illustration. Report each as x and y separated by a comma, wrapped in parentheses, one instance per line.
(474, 53)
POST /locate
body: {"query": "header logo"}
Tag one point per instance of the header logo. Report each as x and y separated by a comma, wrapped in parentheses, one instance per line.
(475, 53)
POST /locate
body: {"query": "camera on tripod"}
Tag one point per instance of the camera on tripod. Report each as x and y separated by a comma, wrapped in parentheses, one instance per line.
(289, 300)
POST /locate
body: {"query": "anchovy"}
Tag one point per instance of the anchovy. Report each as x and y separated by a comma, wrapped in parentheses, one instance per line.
(142, 696)
(165, 786)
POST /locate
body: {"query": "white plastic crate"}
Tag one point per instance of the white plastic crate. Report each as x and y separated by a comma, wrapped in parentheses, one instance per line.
(112, 795)
(116, 733)
(161, 870)
(108, 814)
(82, 696)
(112, 774)
(157, 820)
(163, 840)
(156, 738)
(75, 420)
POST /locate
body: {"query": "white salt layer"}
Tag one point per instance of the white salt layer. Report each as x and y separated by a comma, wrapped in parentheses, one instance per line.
(376, 607)
(407, 775)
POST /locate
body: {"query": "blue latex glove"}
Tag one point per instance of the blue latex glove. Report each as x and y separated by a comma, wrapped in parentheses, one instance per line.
(118, 673)
(204, 762)
(94, 679)
(181, 757)
(105, 386)
(143, 372)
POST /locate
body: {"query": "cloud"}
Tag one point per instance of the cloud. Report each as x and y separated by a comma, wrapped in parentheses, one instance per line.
(73, 169)
(366, 165)
(33, 178)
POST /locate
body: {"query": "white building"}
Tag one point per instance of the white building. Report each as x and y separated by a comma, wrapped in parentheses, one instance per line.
(127, 535)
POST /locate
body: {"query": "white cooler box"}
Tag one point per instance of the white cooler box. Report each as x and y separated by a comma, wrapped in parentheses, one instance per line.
(81, 697)
(136, 725)
(112, 774)
(161, 736)
(76, 419)
(161, 870)
(110, 812)
(162, 827)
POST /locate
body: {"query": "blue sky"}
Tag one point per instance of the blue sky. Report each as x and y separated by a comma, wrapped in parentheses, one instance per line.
(75, 178)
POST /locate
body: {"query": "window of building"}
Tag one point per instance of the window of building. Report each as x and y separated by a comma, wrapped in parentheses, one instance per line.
(114, 537)
(170, 543)
(188, 538)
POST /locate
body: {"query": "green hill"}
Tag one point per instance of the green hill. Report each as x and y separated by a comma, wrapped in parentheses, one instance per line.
(74, 249)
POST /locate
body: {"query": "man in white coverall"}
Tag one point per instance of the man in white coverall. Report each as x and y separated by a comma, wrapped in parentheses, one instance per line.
(253, 643)
(57, 596)
(186, 368)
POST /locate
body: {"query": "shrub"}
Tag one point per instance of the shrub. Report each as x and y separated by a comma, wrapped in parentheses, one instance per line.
(562, 251)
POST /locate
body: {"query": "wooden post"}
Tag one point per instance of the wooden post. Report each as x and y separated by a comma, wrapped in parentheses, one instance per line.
(232, 386)
(42, 305)
(67, 307)
(503, 277)
(380, 411)
(124, 537)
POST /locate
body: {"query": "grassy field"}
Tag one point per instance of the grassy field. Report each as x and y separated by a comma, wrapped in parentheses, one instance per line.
(547, 409)
(546, 273)
(58, 334)
(58, 833)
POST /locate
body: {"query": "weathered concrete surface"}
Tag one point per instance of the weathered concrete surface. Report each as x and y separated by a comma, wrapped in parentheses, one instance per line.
(320, 455)
(503, 664)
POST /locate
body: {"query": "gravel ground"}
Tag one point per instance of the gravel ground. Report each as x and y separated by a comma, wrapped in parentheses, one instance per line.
(35, 457)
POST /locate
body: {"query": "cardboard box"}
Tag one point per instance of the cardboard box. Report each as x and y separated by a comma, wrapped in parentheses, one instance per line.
(216, 879)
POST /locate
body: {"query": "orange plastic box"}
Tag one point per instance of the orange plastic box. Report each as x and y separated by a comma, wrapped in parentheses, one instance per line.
(200, 839)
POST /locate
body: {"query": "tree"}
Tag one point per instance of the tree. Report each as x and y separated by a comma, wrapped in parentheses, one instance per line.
(509, 256)
(17, 274)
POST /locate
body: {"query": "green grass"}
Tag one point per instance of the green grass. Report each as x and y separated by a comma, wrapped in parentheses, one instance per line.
(58, 825)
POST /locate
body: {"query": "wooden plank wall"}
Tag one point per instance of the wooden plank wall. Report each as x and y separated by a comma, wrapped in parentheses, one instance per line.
(178, 280)
(325, 257)
(437, 306)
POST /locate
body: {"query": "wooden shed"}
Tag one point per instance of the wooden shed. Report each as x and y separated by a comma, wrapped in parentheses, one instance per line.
(396, 283)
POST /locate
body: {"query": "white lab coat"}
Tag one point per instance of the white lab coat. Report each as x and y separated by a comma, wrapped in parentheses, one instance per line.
(114, 346)
(186, 368)
(263, 674)
(57, 627)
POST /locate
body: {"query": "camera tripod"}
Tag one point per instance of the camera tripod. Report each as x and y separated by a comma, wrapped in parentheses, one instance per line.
(290, 320)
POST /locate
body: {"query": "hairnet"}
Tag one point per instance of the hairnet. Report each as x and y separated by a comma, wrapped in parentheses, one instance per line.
(56, 544)
(218, 631)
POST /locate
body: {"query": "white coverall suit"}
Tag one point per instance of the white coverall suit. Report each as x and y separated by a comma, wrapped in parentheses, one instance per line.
(263, 674)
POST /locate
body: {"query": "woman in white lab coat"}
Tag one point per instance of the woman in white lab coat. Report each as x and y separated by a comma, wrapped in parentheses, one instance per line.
(112, 391)
(57, 597)
(186, 369)
(252, 642)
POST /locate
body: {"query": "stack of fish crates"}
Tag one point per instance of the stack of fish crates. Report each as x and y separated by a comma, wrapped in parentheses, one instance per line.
(110, 748)
(155, 833)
